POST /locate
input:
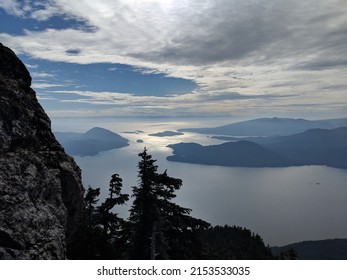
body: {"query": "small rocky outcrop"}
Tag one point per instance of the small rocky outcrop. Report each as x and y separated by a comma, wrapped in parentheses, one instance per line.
(41, 194)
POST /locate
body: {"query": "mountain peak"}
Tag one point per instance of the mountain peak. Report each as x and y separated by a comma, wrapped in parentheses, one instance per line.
(12, 68)
(95, 140)
(97, 129)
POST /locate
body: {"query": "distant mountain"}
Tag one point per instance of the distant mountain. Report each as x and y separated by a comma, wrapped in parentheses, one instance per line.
(313, 138)
(269, 127)
(312, 147)
(241, 154)
(166, 134)
(90, 143)
(330, 249)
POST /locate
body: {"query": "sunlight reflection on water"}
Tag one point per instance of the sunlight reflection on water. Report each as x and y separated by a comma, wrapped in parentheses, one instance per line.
(283, 205)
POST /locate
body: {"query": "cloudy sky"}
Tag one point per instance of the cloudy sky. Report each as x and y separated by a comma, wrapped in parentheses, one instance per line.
(238, 58)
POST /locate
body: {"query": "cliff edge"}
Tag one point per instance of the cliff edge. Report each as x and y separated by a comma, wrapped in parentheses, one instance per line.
(41, 194)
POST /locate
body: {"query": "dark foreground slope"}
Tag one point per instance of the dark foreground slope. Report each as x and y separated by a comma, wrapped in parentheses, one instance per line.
(234, 243)
(330, 249)
(41, 194)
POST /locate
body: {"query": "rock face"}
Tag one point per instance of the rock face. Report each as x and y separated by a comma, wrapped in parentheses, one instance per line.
(41, 194)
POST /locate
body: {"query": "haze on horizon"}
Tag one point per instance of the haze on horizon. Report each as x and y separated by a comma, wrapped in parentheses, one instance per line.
(242, 59)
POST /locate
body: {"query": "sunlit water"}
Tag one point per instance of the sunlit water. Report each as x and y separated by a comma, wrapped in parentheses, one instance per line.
(283, 205)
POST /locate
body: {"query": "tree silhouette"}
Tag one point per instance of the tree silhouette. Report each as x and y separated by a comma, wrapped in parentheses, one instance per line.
(157, 228)
(101, 232)
(88, 238)
(158, 224)
(113, 227)
(108, 219)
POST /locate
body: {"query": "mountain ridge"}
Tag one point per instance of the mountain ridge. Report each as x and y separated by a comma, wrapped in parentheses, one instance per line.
(312, 147)
(269, 127)
(328, 249)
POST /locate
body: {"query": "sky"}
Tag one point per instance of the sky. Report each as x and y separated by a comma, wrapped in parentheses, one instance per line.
(211, 58)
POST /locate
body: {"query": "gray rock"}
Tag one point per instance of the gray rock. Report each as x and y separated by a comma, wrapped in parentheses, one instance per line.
(41, 194)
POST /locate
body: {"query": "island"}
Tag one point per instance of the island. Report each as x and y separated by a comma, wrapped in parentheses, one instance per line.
(312, 147)
(166, 133)
(91, 142)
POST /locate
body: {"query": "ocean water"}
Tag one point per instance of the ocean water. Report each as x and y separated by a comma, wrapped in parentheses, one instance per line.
(283, 205)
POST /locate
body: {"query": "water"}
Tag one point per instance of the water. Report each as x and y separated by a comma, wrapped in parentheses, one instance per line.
(283, 205)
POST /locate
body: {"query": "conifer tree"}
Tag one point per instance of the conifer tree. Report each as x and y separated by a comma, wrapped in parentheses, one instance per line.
(144, 213)
(113, 227)
(101, 234)
(88, 239)
(108, 219)
(158, 225)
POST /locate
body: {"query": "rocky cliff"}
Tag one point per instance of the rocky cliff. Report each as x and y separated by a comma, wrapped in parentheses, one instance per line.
(41, 193)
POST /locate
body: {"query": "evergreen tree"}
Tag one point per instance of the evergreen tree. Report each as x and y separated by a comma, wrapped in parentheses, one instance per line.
(225, 243)
(289, 255)
(144, 213)
(88, 238)
(101, 234)
(159, 226)
(108, 219)
(113, 227)
(90, 201)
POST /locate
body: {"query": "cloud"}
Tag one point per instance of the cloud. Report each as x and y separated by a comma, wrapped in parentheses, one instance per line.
(45, 10)
(227, 96)
(73, 51)
(126, 104)
(194, 33)
(37, 86)
(235, 51)
(41, 75)
(179, 104)
(321, 65)
(31, 66)
(12, 7)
